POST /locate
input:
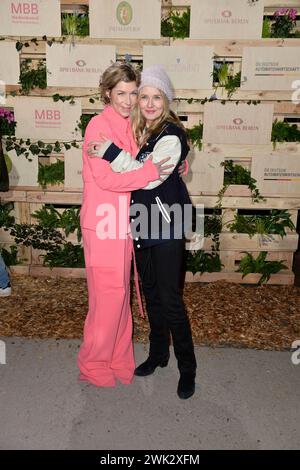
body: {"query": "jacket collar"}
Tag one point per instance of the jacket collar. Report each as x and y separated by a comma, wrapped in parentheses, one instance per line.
(121, 128)
(119, 121)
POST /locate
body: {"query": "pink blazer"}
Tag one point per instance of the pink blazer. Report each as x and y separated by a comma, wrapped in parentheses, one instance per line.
(103, 186)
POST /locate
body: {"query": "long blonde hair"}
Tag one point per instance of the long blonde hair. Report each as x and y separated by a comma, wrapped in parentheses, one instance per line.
(141, 132)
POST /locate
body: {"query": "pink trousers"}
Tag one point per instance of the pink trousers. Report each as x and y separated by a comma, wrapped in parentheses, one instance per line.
(106, 353)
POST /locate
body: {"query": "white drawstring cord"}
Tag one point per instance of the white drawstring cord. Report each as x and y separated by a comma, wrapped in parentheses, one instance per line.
(163, 210)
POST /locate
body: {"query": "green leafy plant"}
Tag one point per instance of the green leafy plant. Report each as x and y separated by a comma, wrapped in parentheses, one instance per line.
(10, 258)
(75, 24)
(176, 25)
(266, 28)
(200, 261)
(68, 220)
(195, 134)
(284, 132)
(48, 235)
(69, 24)
(67, 255)
(51, 174)
(6, 220)
(84, 120)
(31, 77)
(47, 216)
(274, 223)
(236, 174)
(213, 227)
(249, 264)
(222, 77)
(233, 83)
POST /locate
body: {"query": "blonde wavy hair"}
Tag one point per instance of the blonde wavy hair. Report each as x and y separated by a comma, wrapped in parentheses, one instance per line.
(117, 72)
(138, 122)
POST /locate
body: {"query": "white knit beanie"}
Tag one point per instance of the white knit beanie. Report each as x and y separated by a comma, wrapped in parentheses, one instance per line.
(156, 77)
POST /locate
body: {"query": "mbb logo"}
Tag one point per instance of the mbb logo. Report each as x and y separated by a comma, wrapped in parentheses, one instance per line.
(25, 8)
(47, 115)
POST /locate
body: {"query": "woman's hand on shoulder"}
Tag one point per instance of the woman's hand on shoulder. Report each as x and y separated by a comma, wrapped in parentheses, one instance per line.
(161, 167)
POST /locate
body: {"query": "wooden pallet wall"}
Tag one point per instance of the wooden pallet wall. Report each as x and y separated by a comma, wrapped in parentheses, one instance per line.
(27, 200)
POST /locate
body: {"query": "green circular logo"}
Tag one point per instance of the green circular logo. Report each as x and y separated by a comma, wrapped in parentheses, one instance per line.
(124, 13)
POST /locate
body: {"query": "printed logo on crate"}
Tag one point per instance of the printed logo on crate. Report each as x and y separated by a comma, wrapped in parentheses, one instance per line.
(270, 68)
(42, 118)
(30, 18)
(276, 175)
(221, 19)
(242, 124)
(124, 13)
(189, 67)
(78, 66)
(125, 19)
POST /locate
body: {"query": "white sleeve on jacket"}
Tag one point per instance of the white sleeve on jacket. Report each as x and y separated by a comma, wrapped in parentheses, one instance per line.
(167, 146)
(123, 162)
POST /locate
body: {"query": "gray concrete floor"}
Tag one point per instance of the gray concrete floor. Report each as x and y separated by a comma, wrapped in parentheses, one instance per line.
(245, 399)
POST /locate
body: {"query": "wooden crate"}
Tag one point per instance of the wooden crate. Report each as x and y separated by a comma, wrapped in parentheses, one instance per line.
(277, 279)
(231, 259)
(229, 214)
(235, 198)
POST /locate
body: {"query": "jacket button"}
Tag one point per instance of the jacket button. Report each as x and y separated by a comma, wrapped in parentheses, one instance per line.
(131, 220)
(139, 246)
(132, 201)
(137, 238)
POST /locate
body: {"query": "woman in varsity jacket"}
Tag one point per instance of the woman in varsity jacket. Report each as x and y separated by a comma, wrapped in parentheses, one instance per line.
(159, 241)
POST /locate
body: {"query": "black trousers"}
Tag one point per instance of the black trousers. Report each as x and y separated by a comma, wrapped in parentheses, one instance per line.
(159, 269)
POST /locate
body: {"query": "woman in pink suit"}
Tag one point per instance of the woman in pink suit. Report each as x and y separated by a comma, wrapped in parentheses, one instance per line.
(106, 353)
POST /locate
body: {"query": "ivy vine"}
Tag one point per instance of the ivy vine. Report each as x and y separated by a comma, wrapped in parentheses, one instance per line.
(195, 135)
(237, 174)
(46, 234)
(27, 147)
(31, 78)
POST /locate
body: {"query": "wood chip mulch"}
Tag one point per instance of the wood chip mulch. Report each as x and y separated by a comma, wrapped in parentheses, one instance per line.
(221, 313)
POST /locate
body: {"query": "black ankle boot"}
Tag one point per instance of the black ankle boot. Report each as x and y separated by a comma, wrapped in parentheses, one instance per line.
(149, 366)
(186, 385)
